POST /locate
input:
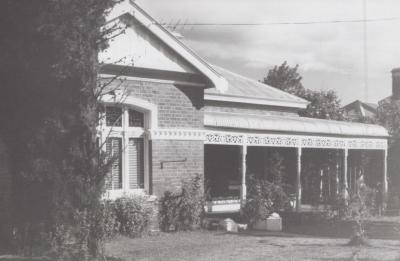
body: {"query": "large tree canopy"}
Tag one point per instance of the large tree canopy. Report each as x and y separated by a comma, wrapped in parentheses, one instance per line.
(323, 104)
(49, 113)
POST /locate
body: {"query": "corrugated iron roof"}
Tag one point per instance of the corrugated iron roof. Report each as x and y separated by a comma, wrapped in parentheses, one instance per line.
(243, 87)
(293, 125)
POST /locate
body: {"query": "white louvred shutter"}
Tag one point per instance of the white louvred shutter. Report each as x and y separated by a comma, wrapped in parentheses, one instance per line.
(114, 152)
(136, 163)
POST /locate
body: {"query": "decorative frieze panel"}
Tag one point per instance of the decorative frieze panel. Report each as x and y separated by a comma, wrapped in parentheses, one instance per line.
(322, 142)
(176, 134)
(275, 140)
(367, 144)
(224, 138)
(268, 140)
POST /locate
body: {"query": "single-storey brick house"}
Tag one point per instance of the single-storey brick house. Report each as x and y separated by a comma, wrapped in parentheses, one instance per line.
(182, 116)
(171, 115)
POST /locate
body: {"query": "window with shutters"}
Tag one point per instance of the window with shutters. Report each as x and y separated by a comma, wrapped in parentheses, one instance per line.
(125, 145)
(114, 152)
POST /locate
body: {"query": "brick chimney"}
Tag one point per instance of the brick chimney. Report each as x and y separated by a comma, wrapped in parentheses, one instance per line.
(396, 84)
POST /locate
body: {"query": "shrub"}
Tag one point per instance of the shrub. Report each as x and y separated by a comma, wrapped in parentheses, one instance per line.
(393, 203)
(133, 215)
(107, 219)
(182, 210)
(360, 206)
(263, 198)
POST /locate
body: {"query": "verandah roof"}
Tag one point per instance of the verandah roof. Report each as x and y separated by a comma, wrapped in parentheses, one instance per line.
(293, 125)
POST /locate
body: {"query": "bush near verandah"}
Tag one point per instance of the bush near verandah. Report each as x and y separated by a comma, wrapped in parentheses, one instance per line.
(182, 210)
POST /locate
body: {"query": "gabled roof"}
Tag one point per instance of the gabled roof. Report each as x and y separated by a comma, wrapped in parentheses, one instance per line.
(226, 86)
(129, 8)
(358, 103)
(372, 106)
(359, 108)
(245, 90)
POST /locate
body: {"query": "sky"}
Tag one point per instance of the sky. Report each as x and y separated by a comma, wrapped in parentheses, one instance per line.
(329, 55)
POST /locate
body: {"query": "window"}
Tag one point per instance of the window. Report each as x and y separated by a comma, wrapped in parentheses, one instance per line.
(125, 146)
(136, 118)
(114, 116)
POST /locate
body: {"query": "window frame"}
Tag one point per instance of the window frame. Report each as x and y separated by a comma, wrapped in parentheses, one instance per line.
(125, 132)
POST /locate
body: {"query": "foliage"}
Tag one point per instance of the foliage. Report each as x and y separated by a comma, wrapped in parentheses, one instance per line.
(51, 114)
(359, 208)
(107, 218)
(389, 117)
(276, 168)
(182, 210)
(323, 104)
(263, 198)
(286, 79)
(133, 215)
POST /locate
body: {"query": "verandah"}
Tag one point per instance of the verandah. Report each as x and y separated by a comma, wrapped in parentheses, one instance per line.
(318, 170)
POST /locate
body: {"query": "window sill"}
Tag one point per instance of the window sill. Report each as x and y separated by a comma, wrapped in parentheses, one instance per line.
(119, 193)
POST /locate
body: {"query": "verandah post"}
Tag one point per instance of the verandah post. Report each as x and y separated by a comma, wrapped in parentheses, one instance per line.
(243, 190)
(384, 181)
(298, 180)
(337, 173)
(345, 171)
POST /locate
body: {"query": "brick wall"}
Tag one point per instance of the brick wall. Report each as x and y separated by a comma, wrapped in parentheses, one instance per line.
(262, 110)
(169, 176)
(178, 106)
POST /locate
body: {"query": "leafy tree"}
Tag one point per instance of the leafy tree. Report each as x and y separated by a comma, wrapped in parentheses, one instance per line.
(323, 104)
(389, 117)
(49, 113)
(286, 78)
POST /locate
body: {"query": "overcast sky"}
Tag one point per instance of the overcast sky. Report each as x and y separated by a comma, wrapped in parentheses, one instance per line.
(330, 56)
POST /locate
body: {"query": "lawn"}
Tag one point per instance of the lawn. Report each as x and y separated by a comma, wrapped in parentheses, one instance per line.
(220, 246)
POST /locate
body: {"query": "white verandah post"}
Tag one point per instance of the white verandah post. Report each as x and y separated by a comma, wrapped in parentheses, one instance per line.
(384, 181)
(298, 180)
(337, 168)
(243, 190)
(345, 167)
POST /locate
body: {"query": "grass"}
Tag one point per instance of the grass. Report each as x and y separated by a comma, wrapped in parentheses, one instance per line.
(220, 246)
(305, 241)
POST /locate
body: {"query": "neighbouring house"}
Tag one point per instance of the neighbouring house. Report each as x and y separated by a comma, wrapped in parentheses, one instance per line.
(358, 110)
(171, 115)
